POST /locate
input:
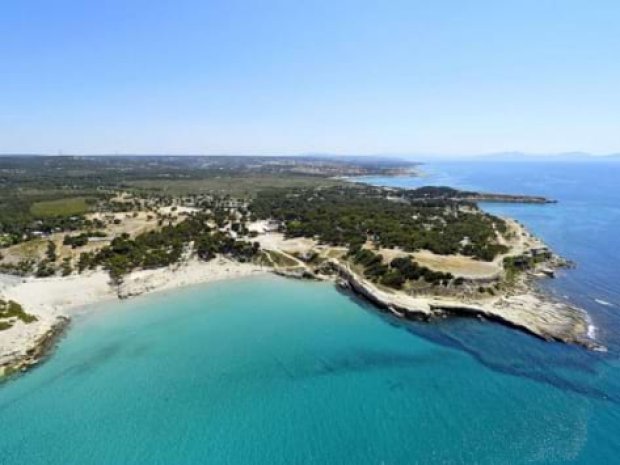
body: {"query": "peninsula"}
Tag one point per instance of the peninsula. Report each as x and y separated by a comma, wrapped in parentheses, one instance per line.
(75, 231)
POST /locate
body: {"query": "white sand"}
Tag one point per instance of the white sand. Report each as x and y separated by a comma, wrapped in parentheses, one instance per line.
(51, 299)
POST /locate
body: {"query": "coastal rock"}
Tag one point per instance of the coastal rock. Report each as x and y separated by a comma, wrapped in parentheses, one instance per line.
(533, 313)
(31, 350)
(299, 273)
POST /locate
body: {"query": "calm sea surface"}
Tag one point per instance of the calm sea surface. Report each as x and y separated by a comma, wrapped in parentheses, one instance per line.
(274, 371)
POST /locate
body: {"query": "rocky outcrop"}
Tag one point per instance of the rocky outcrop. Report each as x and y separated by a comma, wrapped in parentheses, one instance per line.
(37, 349)
(531, 312)
(399, 305)
(295, 273)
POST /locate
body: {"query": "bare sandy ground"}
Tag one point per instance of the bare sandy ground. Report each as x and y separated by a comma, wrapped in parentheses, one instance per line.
(458, 265)
(277, 241)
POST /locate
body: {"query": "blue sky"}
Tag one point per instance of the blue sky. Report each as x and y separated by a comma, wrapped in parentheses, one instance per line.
(275, 77)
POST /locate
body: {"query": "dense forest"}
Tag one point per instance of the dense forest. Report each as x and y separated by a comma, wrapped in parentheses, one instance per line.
(351, 216)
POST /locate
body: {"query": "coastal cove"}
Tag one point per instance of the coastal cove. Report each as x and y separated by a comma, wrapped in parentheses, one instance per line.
(230, 372)
(164, 378)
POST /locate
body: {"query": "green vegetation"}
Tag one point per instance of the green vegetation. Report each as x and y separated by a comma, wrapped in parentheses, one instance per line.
(516, 264)
(410, 270)
(81, 239)
(236, 185)
(165, 247)
(61, 207)
(45, 269)
(350, 217)
(46, 266)
(40, 194)
(66, 268)
(22, 268)
(44, 197)
(400, 270)
(16, 226)
(50, 252)
(11, 311)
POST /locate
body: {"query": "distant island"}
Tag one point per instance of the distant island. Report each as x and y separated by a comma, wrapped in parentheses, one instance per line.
(78, 230)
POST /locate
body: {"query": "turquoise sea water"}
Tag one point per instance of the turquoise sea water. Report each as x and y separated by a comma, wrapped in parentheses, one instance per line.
(274, 371)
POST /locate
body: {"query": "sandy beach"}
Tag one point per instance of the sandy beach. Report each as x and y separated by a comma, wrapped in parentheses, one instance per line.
(53, 301)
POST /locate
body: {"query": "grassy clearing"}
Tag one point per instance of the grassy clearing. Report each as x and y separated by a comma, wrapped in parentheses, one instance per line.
(60, 207)
(234, 185)
(336, 253)
(281, 259)
(30, 250)
(264, 259)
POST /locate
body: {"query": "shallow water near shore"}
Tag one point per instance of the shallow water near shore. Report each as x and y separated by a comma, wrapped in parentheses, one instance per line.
(269, 370)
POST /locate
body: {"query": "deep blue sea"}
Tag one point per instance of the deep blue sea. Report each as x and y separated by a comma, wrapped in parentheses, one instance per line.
(274, 371)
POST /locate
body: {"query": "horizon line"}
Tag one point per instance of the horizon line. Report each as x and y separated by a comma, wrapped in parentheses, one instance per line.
(507, 154)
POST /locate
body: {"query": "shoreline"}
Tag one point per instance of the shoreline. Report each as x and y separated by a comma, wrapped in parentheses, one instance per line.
(55, 301)
(527, 309)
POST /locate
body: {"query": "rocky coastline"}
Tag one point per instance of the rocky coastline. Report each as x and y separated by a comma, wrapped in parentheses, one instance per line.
(38, 349)
(526, 310)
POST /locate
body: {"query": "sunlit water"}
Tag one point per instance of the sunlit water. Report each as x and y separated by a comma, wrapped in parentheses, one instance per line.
(274, 371)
